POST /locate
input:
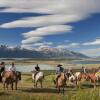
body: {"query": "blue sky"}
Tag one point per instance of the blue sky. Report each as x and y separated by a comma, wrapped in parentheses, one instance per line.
(73, 25)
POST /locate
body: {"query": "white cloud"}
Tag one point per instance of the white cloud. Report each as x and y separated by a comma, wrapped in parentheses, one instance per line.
(51, 6)
(31, 40)
(71, 45)
(43, 21)
(60, 12)
(91, 52)
(37, 35)
(49, 30)
(25, 46)
(96, 42)
(43, 43)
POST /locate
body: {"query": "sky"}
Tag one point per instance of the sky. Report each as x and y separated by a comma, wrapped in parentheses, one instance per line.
(63, 24)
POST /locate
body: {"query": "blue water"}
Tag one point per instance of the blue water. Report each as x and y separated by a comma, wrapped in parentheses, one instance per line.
(29, 68)
(86, 62)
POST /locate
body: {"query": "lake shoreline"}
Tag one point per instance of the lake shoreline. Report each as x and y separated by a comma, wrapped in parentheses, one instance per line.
(54, 63)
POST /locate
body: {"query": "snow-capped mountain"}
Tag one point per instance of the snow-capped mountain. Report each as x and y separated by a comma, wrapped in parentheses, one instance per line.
(43, 52)
(60, 53)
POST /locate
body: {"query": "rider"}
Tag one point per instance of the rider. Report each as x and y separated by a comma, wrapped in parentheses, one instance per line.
(99, 69)
(12, 68)
(2, 70)
(59, 70)
(84, 70)
(2, 67)
(37, 69)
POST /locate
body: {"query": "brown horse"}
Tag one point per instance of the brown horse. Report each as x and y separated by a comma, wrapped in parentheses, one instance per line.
(92, 78)
(61, 82)
(10, 77)
(80, 76)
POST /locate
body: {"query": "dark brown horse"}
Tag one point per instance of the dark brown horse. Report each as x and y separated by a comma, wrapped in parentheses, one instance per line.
(10, 77)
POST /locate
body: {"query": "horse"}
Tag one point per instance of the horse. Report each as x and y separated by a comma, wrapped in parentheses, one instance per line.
(71, 77)
(80, 76)
(38, 78)
(75, 77)
(60, 83)
(9, 77)
(92, 77)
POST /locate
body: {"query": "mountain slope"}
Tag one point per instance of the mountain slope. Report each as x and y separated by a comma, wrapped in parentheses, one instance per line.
(6, 52)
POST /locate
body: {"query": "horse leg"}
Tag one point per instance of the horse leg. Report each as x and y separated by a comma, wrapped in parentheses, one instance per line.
(4, 85)
(58, 90)
(7, 86)
(41, 84)
(12, 85)
(94, 83)
(76, 82)
(63, 90)
(16, 85)
(36, 85)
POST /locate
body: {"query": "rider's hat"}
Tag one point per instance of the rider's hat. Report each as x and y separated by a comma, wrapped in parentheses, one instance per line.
(59, 65)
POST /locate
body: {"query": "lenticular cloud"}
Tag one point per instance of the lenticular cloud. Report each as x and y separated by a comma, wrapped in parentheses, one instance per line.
(59, 13)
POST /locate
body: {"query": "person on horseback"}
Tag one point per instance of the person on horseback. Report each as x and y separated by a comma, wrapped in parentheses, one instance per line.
(59, 70)
(2, 67)
(37, 69)
(2, 70)
(99, 69)
(12, 68)
(84, 70)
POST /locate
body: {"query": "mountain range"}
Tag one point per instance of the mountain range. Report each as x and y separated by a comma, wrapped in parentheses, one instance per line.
(44, 52)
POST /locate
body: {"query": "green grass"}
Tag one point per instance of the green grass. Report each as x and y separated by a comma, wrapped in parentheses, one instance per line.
(26, 91)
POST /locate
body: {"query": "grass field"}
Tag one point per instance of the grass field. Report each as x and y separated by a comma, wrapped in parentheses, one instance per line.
(26, 91)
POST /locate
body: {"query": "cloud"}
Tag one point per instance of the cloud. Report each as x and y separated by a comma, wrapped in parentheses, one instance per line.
(91, 52)
(31, 40)
(49, 30)
(42, 21)
(96, 42)
(43, 43)
(71, 45)
(51, 6)
(59, 13)
(37, 35)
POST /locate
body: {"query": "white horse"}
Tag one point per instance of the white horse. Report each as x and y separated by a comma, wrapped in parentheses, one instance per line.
(38, 78)
(77, 74)
(71, 78)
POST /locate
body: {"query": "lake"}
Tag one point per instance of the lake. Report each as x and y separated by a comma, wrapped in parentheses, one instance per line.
(29, 68)
(86, 62)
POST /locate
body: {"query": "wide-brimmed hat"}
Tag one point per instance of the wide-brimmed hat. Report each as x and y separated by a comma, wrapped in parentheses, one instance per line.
(2, 63)
(13, 64)
(59, 65)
